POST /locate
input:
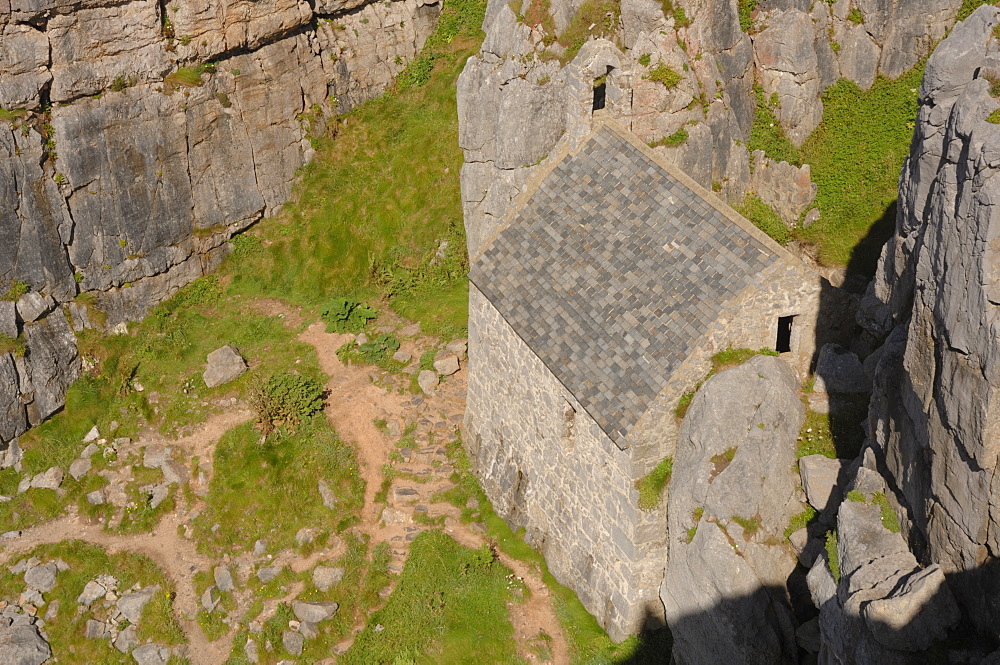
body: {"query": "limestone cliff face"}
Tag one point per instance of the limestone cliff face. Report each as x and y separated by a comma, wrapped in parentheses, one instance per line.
(935, 415)
(123, 175)
(516, 104)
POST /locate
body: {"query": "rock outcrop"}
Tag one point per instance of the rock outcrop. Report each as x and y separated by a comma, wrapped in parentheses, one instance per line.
(933, 423)
(733, 492)
(518, 103)
(137, 137)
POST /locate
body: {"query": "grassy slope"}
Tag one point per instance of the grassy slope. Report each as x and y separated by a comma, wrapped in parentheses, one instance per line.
(855, 156)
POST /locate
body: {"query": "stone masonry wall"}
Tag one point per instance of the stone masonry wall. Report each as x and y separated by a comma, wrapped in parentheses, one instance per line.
(118, 181)
(555, 473)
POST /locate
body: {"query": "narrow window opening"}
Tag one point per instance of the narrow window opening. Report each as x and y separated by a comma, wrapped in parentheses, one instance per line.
(783, 344)
(601, 90)
(569, 421)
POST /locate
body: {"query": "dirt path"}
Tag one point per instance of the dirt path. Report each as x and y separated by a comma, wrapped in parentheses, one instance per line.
(422, 470)
(359, 396)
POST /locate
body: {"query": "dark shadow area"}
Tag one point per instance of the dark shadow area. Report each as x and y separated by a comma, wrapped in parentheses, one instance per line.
(864, 257)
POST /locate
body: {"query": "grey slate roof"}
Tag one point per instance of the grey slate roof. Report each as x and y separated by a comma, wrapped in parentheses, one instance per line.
(611, 272)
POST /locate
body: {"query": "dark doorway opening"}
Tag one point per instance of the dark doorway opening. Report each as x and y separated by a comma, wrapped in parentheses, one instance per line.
(601, 90)
(783, 344)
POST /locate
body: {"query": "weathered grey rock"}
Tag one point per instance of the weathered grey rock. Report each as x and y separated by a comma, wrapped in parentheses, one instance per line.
(52, 611)
(329, 498)
(41, 578)
(210, 598)
(808, 637)
(428, 381)
(268, 574)
(50, 366)
(225, 364)
(10, 456)
(91, 592)
(79, 468)
(459, 347)
(155, 455)
(8, 319)
(715, 590)
(32, 306)
(838, 370)
(821, 476)
(22, 645)
(250, 650)
(314, 612)
(126, 640)
(325, 577)
(49, 480)
(96, 498)
(446, 363)
(310, 631)
(132, 604)
(90, 437)
(305, 535)
(402, 357)
(293, 642)
(156, 494)
(259, 547)
(223, 579)
(151, 654)
(96, 630)
(10, 535)
(174, 472)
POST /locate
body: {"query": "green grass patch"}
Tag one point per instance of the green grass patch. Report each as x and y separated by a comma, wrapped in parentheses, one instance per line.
(745, 9)
(731, 357)
(994, 117)
(666, 75)
(857, 497)
(12, 115)
(86, 562)
(254, 483)
(460, 22)
(835, 434)
(855, 16)
(14, 345)
(651, 485)
(377, 351)
(450, 602)
(832, 556)
(765, 218)
(855, 156)
(372, 209)
(683, 404)
(598, 18)
(801, 520)
(751, 525)
(889, 519)
(969, 6)
(675, 139)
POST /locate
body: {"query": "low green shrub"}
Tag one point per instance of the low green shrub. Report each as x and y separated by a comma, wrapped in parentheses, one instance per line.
(15, 291)
(832, 556)
(856, 497)
(377, 351)
(665, 74)
(746, 8)
(855, 16)
(731, 357)
(347, 316)
(285, 400)
(675, 139)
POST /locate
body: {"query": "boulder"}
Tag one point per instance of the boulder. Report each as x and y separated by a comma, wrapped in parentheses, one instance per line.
(314, 612)
(32, 306)
(459, 347)
(96, 630)
(96, 498)
(225, 364)
(23, 645)
(446, 363)
(151, 654)
(79, 468)
(89, 451)
(292, 641)
(93, 435)
(174, 472)
(820, 477)
(838, 370)
(132, 604)
(250, 650)
(11, 455)
(126, 640)
(155, 455)
(259, 548)
(731, 496)
(210, 598)
(428, 380)
(325, 577)
(41, 578)
(223, 579)
(49, 480)
(403, 357)
(268, 574)
(91, 592)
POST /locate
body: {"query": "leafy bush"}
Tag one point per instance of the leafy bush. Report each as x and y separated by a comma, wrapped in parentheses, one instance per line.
(347, 316)
(377, 351)
(652, 484)
(664, 74)
(855, 16)
(286, 400)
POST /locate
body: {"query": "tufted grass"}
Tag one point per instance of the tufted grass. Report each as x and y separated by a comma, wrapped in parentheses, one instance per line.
(370, 211)
(254, 483)
(765, 218)
(651, 485)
